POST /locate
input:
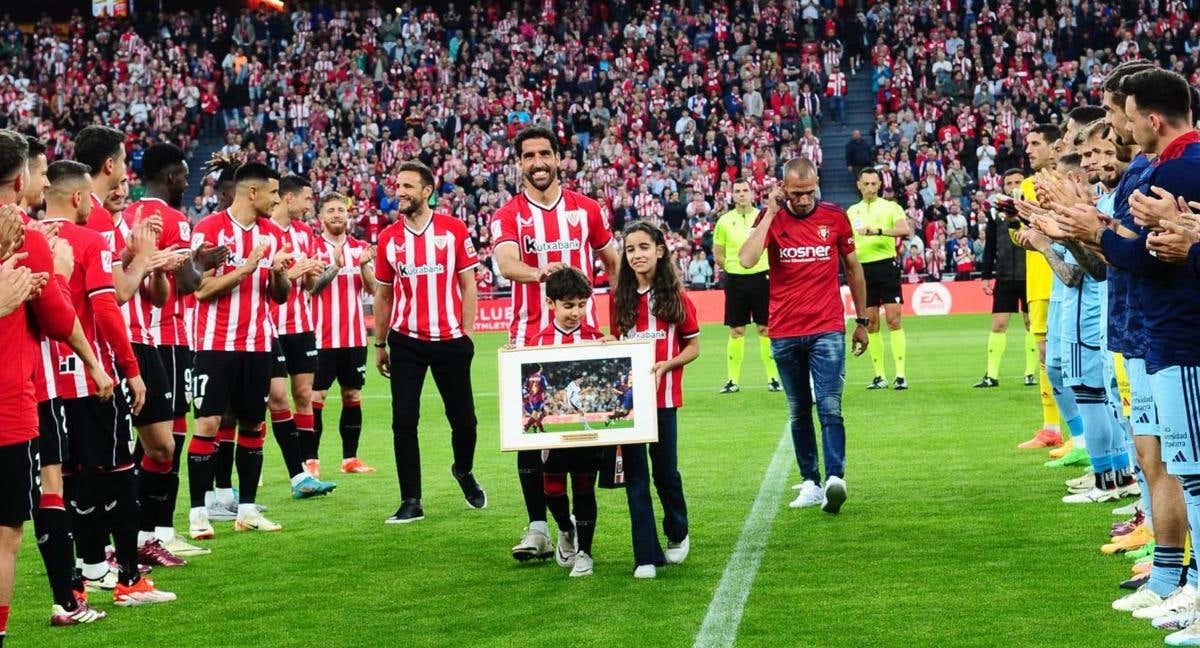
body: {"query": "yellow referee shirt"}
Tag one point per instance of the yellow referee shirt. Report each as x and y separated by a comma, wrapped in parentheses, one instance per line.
(733, 228)
(1037, 269)
(881, 214)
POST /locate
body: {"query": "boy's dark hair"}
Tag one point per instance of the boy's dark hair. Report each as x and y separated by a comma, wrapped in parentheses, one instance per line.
(568, 283)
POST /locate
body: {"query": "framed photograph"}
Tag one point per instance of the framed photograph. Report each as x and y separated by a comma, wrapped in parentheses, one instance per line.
(577, 395)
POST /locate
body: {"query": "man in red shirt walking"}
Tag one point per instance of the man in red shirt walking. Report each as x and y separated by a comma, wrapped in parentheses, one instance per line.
(804, 239)
(539, 231)
(426, 282)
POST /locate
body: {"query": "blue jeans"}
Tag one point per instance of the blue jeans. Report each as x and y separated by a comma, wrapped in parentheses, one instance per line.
(823, 357)
(668, 483)
(837, 106)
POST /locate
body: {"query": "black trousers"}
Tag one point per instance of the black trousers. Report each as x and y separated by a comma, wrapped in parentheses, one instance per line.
(450, 363)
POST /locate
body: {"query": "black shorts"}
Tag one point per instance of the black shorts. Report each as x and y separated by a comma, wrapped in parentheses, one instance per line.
(20, 488)
(158, 387)
(237, 382)
(52, 432)
(747, 298)
(883, 283)
(99, 434)
(346, 365)
(177, 360)
(572, 460)
(1009, 297)
(298, 352)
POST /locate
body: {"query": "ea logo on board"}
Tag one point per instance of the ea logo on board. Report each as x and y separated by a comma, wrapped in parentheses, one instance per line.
(931, 299)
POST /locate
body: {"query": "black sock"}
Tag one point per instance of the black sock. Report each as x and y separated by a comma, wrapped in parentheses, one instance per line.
(89, 532)
(554, 488)
(318, 426)
(308, 438)
(223, 461)
(289, 444)
(350, 427)
(249, 464)
(52, 528)
(202, 463)
(121, 505)
(166, 514)
(154, 484)
(529, 472)
(583, 489)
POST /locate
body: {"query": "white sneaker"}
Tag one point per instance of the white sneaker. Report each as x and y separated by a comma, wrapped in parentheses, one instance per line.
(1189, 636)
(1091, 496)
(565, 554)
(534, 544)
(1081, 484)
(677, 552)
(1132, 490)
(107, 582)
(183, 549)
(198, 525)
(254, 521)
(582, 565)
(1129, 510)
(1176, 621)
(1183, 598)
(810, 495)
(834, 495)
(219, 510)
(645, 571)
(1142, 598)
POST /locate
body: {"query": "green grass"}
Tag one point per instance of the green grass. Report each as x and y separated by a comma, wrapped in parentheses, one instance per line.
(951, 536)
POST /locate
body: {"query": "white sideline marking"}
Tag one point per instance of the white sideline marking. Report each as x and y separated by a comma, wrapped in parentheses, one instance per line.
(720, 626)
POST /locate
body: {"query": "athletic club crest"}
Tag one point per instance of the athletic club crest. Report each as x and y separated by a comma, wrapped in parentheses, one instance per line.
(442, 241)
(823, 232)
(573, 217)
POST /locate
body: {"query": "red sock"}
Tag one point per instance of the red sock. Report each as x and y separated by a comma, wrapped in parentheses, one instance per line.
(179, 425)
(3, 619)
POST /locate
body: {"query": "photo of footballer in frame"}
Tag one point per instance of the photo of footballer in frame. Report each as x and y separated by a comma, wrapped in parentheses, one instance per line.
(577, 395)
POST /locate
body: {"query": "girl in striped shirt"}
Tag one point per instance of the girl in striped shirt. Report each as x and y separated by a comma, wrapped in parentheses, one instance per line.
(649, 303)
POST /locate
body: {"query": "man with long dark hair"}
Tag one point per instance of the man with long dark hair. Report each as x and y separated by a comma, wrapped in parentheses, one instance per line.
(804, 239)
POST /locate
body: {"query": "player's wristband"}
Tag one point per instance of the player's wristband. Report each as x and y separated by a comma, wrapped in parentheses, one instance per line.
(862, 321)
(381, 345)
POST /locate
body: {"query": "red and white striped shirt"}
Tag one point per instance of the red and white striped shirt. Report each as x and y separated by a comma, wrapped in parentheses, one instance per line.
(668, 341)
(338, 308)
(296, 315)
(51, 314)
(90, 278)
(554, 335)
(149, 324)
(567, 231)
(240, 319)
(423, 268)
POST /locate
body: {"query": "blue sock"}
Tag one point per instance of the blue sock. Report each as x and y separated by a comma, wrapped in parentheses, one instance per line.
(1120, 460)
(1166, 571)
(1193, 578)
(1191, 499)
(1075, 425)
(1062, 396)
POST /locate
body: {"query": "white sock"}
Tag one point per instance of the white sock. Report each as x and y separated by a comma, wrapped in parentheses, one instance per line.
(539, 525)
(144, 537)
(245, 510)
(224, 495)
(94, 572)
(198, 511)
(164, 534)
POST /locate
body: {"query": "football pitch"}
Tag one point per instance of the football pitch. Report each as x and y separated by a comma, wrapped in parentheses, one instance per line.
(951, 536)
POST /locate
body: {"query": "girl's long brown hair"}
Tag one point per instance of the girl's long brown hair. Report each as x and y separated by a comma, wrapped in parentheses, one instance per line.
(666, 287)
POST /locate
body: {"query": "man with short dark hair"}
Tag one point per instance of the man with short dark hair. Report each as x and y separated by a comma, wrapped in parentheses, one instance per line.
(427, 271)
(805, 239)
(233, 336)
(747, 290)
(878, 223)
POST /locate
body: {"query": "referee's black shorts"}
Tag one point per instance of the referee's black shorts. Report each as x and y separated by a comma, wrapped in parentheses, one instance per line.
(883, 283)
(1009, 297)
(747, 298)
